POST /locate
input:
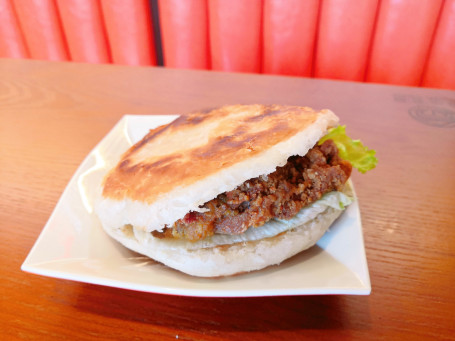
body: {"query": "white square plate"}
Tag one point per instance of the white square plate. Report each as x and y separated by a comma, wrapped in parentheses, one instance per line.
(73, 245)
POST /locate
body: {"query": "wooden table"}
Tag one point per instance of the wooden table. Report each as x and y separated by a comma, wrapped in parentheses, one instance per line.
(53, 114)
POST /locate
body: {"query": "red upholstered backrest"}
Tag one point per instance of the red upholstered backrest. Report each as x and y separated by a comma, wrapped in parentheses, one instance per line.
(94, 31)
(186, 26)
(405, 42)
(84, 30)
(344, 38)
(440, 68)
(289, 36)
(41, 29)
(403, 35)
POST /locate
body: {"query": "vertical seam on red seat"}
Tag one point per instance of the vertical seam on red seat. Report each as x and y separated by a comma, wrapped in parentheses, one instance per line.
(60, 25)
(372, 38)
(261, 38)
(315, 43)
(19, 26)
(427, 58)
(108, 43)
(156, 25)
(208, 47)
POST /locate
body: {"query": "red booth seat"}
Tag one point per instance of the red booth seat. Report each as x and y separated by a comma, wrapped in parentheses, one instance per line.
(404, 42)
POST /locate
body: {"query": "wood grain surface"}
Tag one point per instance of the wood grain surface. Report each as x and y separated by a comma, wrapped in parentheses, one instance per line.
(53, 114)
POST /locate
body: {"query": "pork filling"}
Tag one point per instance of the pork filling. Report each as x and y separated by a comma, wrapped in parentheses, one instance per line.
(281, 194)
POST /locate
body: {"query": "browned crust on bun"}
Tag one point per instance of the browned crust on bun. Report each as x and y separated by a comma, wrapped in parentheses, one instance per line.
(196, 145)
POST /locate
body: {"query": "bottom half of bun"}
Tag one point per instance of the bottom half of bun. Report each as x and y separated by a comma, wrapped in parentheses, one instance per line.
(226, 260)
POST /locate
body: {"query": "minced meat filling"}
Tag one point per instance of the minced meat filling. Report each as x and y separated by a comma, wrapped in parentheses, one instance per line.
(280, 194)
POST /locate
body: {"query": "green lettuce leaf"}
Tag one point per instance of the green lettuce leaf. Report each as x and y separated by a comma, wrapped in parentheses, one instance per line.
(351, 150)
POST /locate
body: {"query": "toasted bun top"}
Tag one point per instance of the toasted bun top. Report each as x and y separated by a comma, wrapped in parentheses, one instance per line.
(177, 167)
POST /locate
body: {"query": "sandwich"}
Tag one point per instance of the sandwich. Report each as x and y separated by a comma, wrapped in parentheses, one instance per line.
(231, 190)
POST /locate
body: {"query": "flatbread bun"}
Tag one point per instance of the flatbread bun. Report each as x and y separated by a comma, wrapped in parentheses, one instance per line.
(178, 167)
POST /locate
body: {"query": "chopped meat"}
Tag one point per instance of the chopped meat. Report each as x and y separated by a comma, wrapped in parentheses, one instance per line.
(280, 194)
